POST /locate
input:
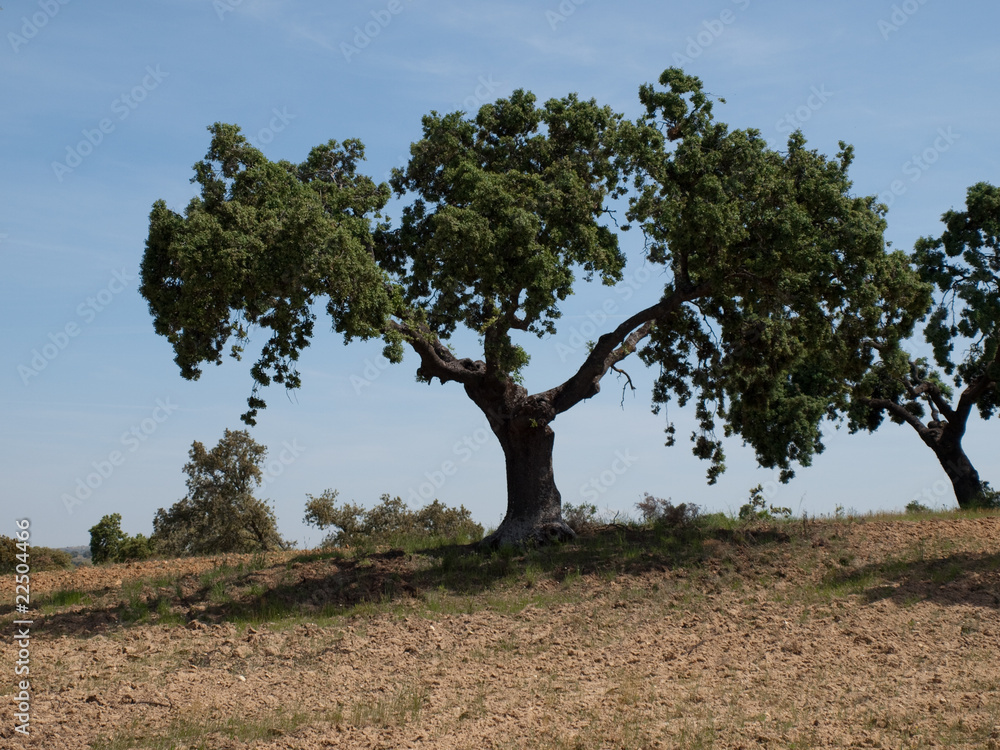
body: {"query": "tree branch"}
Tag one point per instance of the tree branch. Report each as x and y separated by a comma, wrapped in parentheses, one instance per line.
(899, 411)
(436, 360)
(937, 398)
(519, 324)
(975, 390)
(612, 348)
(628, 382)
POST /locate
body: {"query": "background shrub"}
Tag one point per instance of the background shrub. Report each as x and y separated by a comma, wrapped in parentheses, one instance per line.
(757, 509)
(39, 558)
(390, 523)
(915, 506)
(135, 548)
(660, 512)
(580, 518)
(988, 497)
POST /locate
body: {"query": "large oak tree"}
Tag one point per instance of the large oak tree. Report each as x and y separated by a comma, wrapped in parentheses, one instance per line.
(775, 275)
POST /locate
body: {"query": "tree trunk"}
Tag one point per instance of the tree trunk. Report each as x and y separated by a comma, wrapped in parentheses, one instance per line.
(963, 475)
(534, 508)
(944, 437)
(521, 421)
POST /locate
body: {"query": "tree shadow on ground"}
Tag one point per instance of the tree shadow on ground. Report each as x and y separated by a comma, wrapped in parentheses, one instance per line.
(609, 550)
(329, 584)
(332, 585)
(972, 580)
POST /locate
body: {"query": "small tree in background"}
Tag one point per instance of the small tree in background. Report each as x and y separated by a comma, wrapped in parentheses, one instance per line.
(220, 513)
(108, 543)
(106, 539)
(135, 548)
(657, 511)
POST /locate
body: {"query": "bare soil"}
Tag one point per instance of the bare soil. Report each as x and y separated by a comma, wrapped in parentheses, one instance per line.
(872, 633)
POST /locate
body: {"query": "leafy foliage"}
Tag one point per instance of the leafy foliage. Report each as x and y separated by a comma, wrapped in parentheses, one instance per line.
(389, 522)
(108, 543)
(963, 264)
(785, 270)
(507, 204)
(915, 506)
(257, 248)
(105, 539)
(988, 497)
(219, 513)
(758, 509)
(136, 547)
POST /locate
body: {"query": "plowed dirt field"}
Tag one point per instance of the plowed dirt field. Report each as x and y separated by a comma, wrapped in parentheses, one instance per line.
(829, 634)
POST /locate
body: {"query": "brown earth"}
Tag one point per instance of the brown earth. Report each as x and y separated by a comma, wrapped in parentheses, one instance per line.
(874, 633)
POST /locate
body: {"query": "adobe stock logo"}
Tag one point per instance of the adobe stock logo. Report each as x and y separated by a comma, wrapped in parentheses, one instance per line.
(918, 164)
(479, 97)
(131, 440)
(363, 36)
(225, 6)
(463, 450)
(290, 452)
(565, 9)
(804, 112)
(31, 26)
(579, 335)
(901, 13)
(372, 371)
(711, 30)
(604, 481)
(122, 107)
(277, 124)
(87, 311)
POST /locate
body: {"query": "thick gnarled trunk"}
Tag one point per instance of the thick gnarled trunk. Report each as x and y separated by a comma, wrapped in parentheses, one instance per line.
(534, 507)
(521, 421)
(963, 475)
(943, 434)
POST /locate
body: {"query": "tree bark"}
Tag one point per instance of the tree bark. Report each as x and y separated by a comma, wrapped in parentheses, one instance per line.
(534, 507)
(945, 438)
(963, 475)
(521, 423)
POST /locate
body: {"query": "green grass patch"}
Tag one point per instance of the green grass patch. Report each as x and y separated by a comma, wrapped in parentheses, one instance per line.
(133, 606)
(202, 733)
(65, 598)
(946, 572)
(391, 709)
(308, 557)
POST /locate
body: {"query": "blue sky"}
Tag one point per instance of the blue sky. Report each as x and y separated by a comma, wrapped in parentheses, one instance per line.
(105, 109)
